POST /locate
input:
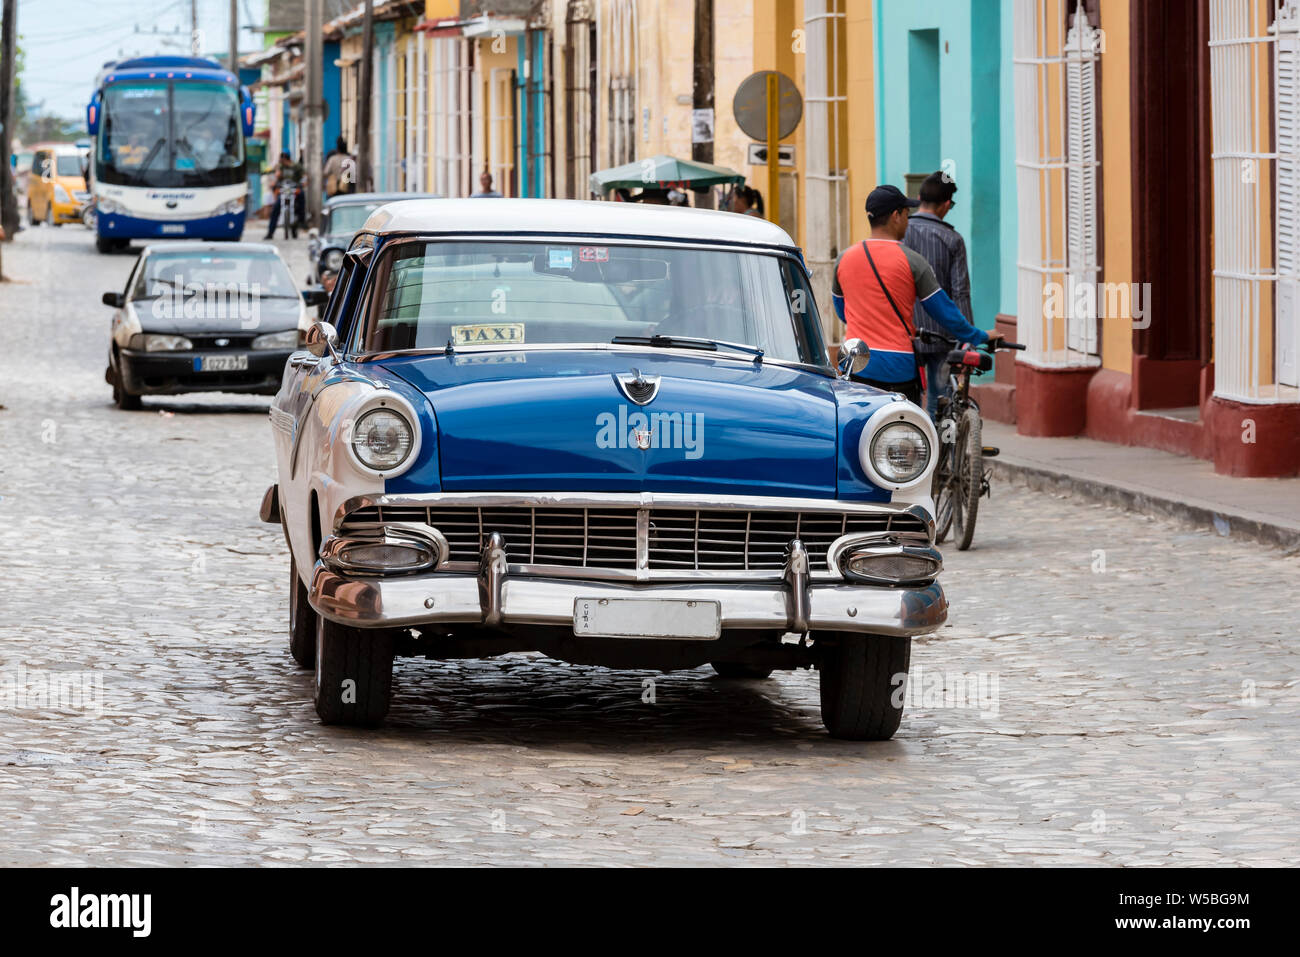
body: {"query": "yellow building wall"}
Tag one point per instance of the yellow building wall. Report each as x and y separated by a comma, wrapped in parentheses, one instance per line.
(1116, 180)
(506, 58)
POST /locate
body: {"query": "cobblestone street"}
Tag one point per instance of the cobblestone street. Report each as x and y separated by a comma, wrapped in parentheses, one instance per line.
(1138, 681)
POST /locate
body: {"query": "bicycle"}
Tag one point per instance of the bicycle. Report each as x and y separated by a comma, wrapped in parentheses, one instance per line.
(959, 478)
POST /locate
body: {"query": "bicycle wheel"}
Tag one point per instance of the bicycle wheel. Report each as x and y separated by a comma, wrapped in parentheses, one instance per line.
(942, 488)
(969, 478)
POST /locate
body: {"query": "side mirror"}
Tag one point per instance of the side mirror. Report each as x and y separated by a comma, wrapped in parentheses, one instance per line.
(114, 299)
(321, 338)
(315, 296)
(853, 357)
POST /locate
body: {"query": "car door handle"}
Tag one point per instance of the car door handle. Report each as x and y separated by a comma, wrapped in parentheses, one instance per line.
(302, 361)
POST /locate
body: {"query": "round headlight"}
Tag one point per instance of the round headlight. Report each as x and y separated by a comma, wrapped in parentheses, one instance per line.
(382, 439)
(333, 260)
(900, 452)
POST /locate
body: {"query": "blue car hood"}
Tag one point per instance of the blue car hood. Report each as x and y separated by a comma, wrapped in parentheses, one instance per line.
(557, 421)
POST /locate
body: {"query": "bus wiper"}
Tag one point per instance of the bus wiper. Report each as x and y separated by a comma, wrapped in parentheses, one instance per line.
(205, 176)
(687, 342)
(137, 178)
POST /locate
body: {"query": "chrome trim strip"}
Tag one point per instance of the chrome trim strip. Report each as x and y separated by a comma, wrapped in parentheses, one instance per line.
(685, 500)
(433, 599)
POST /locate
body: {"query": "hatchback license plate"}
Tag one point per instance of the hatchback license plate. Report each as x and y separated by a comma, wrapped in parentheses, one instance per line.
(647, 618)
(221, 363)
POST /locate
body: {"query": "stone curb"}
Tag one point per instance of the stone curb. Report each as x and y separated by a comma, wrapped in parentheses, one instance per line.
(1225, 522)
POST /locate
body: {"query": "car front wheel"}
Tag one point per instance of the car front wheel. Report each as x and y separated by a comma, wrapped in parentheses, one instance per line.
(302, 621)
(863, 681)
(354, 674)
(123, 399)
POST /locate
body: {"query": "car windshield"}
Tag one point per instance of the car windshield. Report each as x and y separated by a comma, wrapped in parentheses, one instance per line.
(527, 293)
(67, 165)
(166, 272)
(350, 217)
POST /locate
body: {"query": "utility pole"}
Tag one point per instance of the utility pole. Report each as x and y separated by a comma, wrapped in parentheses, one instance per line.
(313, 54)
(8, 67)
(364, 180)
(234, 38)
(194, 27)
(702, 89)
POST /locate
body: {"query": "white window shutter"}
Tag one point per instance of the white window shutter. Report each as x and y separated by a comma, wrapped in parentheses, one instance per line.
(1286, 106)
(1082, 212)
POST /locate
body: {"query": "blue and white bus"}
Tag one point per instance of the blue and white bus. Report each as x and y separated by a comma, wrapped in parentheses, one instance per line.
(168, 150)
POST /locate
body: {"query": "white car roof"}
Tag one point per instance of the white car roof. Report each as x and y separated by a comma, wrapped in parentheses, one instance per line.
(182, 245)
(580, 217)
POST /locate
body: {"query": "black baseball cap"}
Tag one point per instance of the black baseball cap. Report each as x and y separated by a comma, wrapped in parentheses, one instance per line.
(885, 199)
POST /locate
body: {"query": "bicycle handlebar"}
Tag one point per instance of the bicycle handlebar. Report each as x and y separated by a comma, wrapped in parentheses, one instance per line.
(929, 338)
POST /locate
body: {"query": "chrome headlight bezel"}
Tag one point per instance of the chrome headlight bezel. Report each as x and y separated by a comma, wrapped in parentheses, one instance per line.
(330, 259)
(348, 553)
(383, 402)
(108, 207)
(925, 562)
(890, 415)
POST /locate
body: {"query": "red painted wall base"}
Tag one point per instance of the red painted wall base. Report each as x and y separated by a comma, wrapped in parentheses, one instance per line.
(1051, 402)
(1253, 440)
(1112, 418)
(997, 401)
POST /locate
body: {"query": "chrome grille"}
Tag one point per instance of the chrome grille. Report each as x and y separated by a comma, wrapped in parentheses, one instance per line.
(606, 537)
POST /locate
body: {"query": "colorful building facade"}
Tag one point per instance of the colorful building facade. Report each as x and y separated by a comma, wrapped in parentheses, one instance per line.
(1128, 172)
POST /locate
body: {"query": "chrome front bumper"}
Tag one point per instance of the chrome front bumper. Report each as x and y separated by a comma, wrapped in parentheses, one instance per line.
(496, 599)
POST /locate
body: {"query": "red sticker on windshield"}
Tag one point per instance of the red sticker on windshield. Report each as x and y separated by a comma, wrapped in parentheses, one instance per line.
(593, 254)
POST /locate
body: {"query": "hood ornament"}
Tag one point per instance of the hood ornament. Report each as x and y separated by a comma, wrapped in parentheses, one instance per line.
(639, 388)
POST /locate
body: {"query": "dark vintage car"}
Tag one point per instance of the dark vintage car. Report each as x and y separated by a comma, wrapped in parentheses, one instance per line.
(604, 432)
(341, 217)
(203, 317)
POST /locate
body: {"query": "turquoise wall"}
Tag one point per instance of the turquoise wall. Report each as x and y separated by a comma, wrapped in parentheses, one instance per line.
(967, 129)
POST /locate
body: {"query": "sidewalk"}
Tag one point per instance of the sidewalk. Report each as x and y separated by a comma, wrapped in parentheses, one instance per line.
(1148, 480)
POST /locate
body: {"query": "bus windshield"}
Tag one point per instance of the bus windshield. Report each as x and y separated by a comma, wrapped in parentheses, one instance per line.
(161, 133)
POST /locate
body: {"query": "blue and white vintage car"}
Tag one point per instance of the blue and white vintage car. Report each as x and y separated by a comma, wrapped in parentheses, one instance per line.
(606, 432)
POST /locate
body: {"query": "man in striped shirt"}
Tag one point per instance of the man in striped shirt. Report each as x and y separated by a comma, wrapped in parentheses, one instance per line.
(878, 283)
(945, 251)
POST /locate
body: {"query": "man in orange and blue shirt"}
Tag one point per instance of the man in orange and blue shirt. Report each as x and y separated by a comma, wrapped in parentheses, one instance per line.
(877, 284)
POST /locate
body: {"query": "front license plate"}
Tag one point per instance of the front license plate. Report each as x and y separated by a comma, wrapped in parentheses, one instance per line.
(172, 229)
(646, 618)
(220, 363)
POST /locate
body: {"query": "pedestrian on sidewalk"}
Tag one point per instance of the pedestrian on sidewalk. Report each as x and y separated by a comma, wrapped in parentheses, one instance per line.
(485, 190)
(340, 170)
(945, 251)
(877, 284)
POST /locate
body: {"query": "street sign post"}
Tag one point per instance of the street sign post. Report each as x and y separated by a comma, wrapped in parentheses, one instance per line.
(768, 108)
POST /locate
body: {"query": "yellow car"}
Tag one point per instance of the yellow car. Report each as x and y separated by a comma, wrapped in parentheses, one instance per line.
(56, 189)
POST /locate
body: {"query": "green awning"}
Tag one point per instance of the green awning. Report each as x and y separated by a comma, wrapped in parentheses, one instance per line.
(663, 172)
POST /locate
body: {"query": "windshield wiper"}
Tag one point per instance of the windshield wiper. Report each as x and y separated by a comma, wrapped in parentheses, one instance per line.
(204, 176)
(687, 342)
